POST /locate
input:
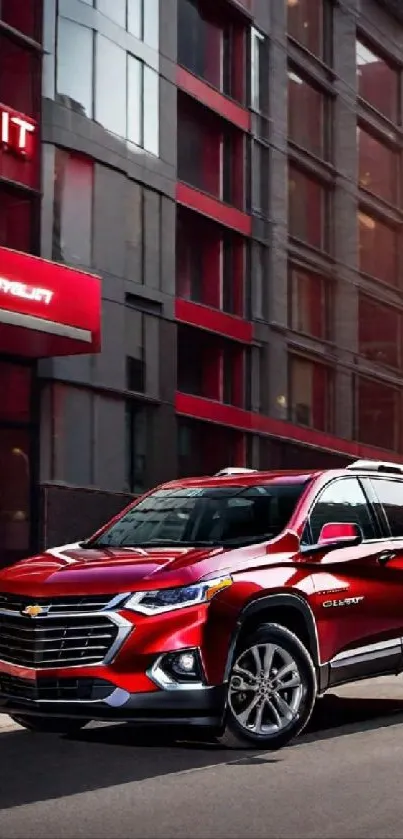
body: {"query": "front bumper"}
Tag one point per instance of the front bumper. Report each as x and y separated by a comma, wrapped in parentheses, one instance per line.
(202, 706)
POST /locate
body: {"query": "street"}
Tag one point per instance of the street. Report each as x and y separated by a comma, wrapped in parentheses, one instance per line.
(342, 778)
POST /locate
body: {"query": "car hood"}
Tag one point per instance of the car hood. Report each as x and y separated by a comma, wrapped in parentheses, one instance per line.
(77, 570)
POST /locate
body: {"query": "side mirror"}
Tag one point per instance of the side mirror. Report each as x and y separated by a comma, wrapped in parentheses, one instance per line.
(339, 535)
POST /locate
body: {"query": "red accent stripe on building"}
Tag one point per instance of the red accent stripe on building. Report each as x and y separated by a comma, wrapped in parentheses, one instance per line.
(197, 407)
(214, 209)
(213, 99)
(213, 320)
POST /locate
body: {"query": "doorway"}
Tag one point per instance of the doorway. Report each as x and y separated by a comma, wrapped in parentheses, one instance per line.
(16, 473)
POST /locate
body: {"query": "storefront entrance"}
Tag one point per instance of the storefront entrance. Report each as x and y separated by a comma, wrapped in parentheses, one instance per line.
(17, 440)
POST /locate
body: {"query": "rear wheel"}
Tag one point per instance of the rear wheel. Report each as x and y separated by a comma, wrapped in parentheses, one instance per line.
(49, 725)
(272, 690)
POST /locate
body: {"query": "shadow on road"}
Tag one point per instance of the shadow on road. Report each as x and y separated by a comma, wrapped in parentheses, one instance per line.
(35, 767)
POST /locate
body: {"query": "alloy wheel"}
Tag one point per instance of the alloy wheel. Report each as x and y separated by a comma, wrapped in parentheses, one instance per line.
(265, 689)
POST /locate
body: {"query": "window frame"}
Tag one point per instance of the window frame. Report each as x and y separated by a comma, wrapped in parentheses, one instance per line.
(326, 188)
(387, 144)
(378, 524)
(295, 355)
(312, 83)
(390, 223)
(376, 49)
(327, 295)
(370, 482)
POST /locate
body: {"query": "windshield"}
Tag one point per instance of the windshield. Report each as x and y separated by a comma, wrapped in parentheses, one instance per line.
(198, 516)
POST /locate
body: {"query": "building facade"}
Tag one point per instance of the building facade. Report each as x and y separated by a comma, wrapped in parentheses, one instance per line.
(232, 172)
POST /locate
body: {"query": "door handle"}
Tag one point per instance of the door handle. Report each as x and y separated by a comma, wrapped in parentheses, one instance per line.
(385, 557)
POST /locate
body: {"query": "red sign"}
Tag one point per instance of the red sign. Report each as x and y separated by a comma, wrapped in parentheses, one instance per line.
(58, 308)
(16, 131)
(19, 147)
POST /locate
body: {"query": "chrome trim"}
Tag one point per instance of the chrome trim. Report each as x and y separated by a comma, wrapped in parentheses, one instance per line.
(121, 697)
(367, 650)
(163, 681)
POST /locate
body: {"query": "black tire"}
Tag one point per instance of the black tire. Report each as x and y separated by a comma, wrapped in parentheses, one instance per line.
(236, 735)
(49, 725)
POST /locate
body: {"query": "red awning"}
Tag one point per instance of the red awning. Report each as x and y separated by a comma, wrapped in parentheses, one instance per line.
(47, 309)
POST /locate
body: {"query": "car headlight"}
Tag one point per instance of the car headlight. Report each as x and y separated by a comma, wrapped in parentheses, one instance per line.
(165, 600)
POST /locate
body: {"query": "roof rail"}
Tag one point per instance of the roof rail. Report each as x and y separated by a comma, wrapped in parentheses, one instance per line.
(233, 470)
(376, 466)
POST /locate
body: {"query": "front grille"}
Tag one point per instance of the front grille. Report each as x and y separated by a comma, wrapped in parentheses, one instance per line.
(87, 603)
(54, 690)
(55, 642)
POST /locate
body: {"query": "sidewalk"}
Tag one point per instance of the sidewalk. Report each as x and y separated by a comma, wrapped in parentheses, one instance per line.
(6, 723)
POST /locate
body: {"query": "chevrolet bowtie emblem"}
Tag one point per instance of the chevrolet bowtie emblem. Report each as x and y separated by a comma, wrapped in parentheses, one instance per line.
(33, 611)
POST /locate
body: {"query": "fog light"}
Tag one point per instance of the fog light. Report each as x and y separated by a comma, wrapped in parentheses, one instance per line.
(185, 663)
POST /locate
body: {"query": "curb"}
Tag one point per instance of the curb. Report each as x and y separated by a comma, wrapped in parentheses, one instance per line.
(6, 724)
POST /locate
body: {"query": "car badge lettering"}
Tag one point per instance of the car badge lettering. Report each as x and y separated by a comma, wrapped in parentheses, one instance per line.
(346, 601)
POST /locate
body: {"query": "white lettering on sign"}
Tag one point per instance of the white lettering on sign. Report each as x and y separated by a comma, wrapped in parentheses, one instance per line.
(15, 289)
(15, 131)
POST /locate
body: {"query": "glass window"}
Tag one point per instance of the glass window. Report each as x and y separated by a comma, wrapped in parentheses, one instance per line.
(378, 82)
(151, 111)
(19, 77)
(257, 70)
(220, 515)
(192, 244)
(114, 9)
(378, 167)
(15, 495)
(379, 332)
(378, 414)
(311, 394)
(258, 280)
(341, 501)
(18, 211)
(378, 249)
(134, 17)
(306, 208)
(151, 20)
(74, 80)
(135, 350)
(199, 150)
(24, 15)
(257, 188)
(72, 217)
(134, 100)
(390, 494)
(305, 24)
(309, 303)
(137, 435)
(207, 44)
(110, 86)
(306, 115)
(15, 403)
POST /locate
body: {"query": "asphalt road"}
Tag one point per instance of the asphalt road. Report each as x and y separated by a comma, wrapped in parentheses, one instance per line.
(343, 778)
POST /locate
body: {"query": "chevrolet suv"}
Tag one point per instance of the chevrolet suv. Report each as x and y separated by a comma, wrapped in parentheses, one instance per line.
(228, 602)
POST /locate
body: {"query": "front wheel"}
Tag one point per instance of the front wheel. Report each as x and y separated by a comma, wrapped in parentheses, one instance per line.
(272, 690)
(49, 725)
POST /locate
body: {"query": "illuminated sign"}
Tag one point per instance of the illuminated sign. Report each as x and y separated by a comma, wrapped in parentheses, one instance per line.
(27, 292)
(15, 131)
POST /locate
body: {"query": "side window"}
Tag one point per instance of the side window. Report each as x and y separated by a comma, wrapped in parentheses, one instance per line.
(390, 494)
(342, 501)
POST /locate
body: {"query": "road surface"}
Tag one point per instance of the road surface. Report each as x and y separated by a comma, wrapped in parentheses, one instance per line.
(343, 779)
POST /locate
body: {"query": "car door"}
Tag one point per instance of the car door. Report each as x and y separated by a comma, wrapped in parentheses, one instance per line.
(358, 601)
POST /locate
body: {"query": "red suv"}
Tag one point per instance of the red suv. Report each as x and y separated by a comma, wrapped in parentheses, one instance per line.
(229, 602)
